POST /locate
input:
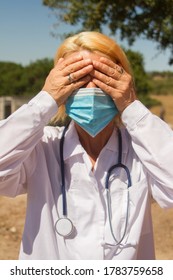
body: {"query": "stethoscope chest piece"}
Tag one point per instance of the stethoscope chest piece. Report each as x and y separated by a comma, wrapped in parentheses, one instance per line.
(64, 227)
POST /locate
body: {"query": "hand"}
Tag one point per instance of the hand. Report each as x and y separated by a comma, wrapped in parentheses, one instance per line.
(68, 75)
(113, 79)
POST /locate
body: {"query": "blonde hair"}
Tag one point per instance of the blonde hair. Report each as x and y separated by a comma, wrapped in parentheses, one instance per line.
(94, 42)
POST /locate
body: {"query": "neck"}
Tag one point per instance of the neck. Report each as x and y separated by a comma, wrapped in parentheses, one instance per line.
(94, 145)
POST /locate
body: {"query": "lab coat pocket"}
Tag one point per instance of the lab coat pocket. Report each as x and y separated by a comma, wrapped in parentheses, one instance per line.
(137, 193)
(139, 208)
(127, 206)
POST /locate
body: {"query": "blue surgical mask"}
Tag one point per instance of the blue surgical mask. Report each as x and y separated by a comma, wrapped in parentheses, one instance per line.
(91, 108)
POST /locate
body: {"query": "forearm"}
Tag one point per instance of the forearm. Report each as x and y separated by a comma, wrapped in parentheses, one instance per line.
(152, 140)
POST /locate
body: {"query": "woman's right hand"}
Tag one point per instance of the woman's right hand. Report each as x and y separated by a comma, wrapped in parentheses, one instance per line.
(60, 85)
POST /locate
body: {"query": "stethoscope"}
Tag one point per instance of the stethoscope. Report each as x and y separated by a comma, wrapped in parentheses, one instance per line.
(64, 226)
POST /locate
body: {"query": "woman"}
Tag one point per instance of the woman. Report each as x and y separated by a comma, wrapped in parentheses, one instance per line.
(78, 205)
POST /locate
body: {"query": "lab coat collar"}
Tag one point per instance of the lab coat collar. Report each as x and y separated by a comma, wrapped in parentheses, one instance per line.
(112, 143)
(72, 144)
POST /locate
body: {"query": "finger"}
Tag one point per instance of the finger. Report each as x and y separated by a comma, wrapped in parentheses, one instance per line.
(111, 64)
(77, 75)
(102, 85)
(103, 68)
(81, 82)
(104, 78)
(69, 60)
(108, 62)
(73, 67)
(60, 60)
(109, 67)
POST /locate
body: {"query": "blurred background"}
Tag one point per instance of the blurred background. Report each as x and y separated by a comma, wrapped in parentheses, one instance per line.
(31, 31)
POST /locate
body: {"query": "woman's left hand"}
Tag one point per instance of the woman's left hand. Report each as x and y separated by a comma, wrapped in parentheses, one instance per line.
(113, 79)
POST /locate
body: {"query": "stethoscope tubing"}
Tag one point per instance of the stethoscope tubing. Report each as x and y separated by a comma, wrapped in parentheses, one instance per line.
(64, 198)
(129, 183)
(119, 164)
(107, 187)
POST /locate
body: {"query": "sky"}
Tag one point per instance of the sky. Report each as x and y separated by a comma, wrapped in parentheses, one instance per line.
(25, 36)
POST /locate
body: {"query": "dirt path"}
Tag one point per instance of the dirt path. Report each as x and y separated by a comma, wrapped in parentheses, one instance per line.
(12, 216)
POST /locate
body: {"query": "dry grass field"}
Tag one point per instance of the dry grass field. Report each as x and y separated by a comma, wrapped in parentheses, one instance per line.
(163, 219)
(167, 103)
(13, 212)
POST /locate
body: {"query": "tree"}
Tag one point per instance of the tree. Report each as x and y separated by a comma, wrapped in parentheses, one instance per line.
(35, 74)
(142, 84)
(18, 80)
(137, 63)
(152, 19)
(10, 78)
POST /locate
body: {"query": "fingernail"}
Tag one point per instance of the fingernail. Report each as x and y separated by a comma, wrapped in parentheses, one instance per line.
(79, 56)
(61, 59)
(88, 60)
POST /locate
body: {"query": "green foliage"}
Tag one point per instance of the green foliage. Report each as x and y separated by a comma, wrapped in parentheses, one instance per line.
(23, 81)
(137, 65)
(35, 75)
(10, 78)
(142, 84)
(152, 19)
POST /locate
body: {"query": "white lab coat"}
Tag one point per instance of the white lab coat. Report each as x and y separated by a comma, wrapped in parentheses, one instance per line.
(30, 162)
